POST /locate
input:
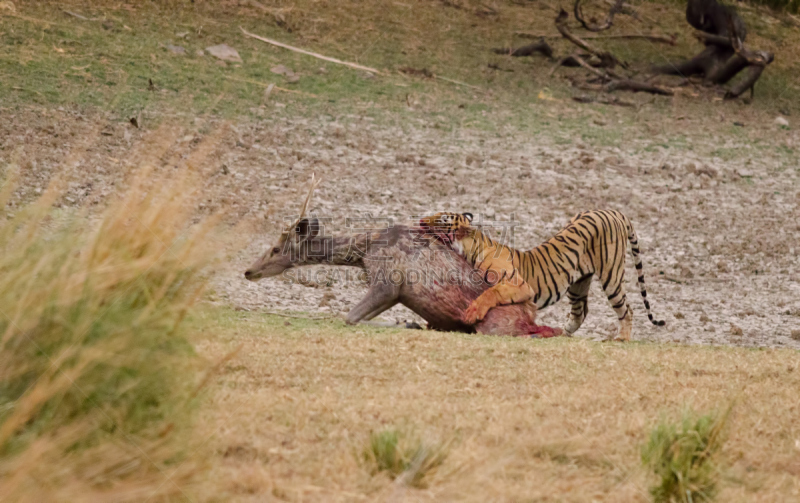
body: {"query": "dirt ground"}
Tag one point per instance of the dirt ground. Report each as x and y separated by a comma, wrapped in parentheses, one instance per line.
(717, 218)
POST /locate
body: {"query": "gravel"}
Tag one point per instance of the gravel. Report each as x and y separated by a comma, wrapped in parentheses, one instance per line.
(720, 239)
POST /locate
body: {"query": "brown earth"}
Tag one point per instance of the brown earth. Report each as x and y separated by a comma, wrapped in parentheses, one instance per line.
(720, 238)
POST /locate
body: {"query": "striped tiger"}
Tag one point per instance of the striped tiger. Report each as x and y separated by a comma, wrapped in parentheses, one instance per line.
(593, 242)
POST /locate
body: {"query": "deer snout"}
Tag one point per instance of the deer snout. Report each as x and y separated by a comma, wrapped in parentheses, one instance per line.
(249, 275)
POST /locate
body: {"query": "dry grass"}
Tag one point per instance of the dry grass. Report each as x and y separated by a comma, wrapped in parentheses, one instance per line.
(99, 377)
(556, 420)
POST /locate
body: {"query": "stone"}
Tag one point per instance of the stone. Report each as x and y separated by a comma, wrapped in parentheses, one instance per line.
(224, 52)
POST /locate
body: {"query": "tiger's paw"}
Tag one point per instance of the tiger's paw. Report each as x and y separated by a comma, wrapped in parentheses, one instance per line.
(474, 314)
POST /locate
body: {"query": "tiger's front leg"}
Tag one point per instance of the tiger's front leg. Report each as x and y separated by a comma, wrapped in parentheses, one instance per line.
(505, 292)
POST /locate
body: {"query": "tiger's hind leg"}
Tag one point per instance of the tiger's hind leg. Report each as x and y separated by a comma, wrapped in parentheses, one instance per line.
(619, 303)
(578, 295)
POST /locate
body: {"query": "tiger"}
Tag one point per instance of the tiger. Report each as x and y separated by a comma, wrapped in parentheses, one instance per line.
(593, 242)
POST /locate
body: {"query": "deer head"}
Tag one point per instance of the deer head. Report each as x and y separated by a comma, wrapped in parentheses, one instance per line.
(292, 246)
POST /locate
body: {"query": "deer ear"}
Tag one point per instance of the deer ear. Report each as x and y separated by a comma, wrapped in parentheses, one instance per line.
(468, 216)
(307, 228)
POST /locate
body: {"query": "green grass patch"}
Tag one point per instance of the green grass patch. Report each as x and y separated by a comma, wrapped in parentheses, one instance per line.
(402, 454)
(683, 456)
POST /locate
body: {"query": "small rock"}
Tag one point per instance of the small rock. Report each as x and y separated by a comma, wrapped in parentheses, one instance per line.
(705, 169)
(175, 49)
(367, 75)
(224, 52)
(686, 272)
(600, 122)
(736, 330)
(200, 52)
(489, 213)
(679, 316)
(182, 34)
(744, 173)
(322, 70)
(796, 335)
(292, 79)
(785, 111)
(287, 324)
(704, 318)
(780, 121)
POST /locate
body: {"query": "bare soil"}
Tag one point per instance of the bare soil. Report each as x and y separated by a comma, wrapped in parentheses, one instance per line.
(720, 238)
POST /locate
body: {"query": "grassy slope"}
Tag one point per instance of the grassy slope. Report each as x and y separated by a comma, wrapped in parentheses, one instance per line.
(50, 58)
(546, 420)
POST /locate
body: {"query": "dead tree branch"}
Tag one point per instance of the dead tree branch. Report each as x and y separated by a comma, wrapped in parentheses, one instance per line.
(659, 39)
(608, 60)
(541, 47)
(615, 82)
(617, 7)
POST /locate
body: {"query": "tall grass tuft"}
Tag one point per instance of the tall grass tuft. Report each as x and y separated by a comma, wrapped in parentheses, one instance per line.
(684, 455)
(403, 455)
(98, 372)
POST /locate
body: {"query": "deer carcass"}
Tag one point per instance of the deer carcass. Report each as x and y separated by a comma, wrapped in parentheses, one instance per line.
(402, 266)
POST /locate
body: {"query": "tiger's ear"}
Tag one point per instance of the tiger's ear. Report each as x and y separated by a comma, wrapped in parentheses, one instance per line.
(468, 216)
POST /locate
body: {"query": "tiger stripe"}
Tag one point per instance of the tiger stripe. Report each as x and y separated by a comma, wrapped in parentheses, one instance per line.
(592, 243)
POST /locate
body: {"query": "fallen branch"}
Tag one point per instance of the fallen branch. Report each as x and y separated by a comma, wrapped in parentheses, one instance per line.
(263, 84)
(74, 14)
(619, 83)
(606, 101)
(541, 46)
(457, 82)
(661, 39)
(309, 53)
(636, 86)
(583, 63)
(430, 75)
(608, 59)
(617, 7)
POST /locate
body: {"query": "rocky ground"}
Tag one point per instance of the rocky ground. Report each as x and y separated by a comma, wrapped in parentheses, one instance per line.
(720, 238)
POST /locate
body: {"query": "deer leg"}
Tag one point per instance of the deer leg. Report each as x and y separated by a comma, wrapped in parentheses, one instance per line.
(379, 298)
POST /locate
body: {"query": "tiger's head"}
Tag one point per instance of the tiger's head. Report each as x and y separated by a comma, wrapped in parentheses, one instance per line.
(447, 227)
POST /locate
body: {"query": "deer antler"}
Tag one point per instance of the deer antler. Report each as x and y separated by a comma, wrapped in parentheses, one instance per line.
(311, 188)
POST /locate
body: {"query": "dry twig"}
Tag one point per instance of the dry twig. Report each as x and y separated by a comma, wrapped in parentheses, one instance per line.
(309, 53)
(661, 39)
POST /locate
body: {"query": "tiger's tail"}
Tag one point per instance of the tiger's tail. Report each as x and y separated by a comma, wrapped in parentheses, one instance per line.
(637, 261)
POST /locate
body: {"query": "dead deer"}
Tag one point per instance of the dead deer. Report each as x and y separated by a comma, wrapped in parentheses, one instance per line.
(402, 266)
